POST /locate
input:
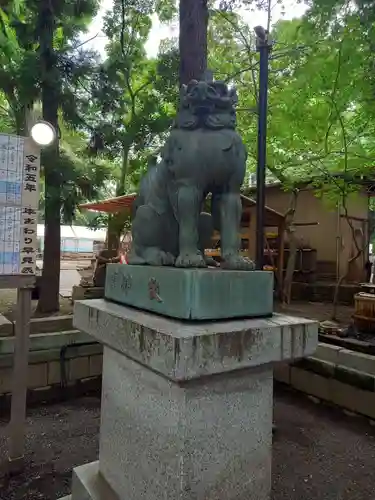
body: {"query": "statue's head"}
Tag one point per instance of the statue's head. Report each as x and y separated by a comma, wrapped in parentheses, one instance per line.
(205, 97)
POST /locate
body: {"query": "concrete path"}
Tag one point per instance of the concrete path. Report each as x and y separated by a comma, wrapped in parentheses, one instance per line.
(68, 278)
(69, 275)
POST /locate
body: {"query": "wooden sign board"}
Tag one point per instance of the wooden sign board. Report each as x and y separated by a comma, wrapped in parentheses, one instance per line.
(19, 199)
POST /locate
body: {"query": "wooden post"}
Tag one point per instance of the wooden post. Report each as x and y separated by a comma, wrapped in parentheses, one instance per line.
(20, 378)
(249, 236)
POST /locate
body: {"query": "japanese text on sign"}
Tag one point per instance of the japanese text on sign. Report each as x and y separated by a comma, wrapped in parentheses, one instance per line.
(19, 197)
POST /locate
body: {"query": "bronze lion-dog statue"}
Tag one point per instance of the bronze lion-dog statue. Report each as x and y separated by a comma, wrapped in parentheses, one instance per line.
(203, 155)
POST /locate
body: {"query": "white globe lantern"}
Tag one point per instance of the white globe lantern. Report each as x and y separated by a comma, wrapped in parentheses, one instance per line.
(43, 133)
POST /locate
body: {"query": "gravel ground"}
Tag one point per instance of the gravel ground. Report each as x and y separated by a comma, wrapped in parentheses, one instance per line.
(318, 452)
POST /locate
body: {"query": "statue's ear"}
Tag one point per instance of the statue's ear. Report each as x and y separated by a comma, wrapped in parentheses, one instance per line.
(191, 85)
(221, 87)
(233, 95)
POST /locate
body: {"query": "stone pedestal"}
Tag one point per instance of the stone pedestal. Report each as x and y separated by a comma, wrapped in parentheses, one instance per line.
(186, 407)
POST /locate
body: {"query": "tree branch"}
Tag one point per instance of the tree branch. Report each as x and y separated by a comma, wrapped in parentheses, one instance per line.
(249, 50)
(86, 41)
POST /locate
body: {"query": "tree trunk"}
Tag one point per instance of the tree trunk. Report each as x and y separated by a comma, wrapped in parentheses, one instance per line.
(121, 187)
(115, 222)
(193, 39)
(20, 119)
(24, 119)
(50, 283)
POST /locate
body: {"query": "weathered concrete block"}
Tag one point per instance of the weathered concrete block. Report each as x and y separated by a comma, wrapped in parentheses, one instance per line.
(353, 399)
(88, 484)
(37, 375)
(82, 293)
(318, 366)
(46, 341)
(181, 350)
(199, 294)
(357, 360)
(310, 383)
(6, 327)
(328, 352)
(54, 372)
(6, 375)
(96, 365)
(206, 439)
(187, 407)
(51, 324)
(79, 368)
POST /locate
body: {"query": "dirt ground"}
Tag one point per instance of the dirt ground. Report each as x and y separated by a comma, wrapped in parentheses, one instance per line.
(318, 452)
(8, 305)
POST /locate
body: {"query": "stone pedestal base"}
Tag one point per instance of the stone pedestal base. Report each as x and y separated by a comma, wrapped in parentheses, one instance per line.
(191, 294)
(88, 484)
(208, 439)
(186, 408)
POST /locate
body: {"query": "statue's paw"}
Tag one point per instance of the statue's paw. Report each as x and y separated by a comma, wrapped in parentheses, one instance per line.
(238, 263)
(161, 258)
(134, 259)
(211, 262)
(168, 259)
(190, 260)
(153, 256)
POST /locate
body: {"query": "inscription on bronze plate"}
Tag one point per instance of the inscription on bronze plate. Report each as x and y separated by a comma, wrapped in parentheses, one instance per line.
(153, 290)
(114, 279)
(126, 283)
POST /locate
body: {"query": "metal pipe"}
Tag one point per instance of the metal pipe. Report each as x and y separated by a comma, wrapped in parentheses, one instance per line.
(263, 47)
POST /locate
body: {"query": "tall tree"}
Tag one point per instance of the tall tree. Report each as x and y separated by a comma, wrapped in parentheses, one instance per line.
(193, 39)
(64, 19)
(84, 177)
(39, 64)
(50, 84)
(319, 99)
(131, 97)
(194, 19)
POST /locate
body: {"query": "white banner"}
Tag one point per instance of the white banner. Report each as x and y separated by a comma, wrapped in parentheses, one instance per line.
(19, 199)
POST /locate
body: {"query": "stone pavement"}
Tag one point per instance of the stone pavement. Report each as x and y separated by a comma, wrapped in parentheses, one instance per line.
(319, 453)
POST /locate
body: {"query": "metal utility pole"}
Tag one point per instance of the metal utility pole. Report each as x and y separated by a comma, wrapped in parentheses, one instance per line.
(264, 48)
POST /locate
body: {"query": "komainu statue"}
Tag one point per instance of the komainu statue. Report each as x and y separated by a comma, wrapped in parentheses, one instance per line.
(203, 155)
